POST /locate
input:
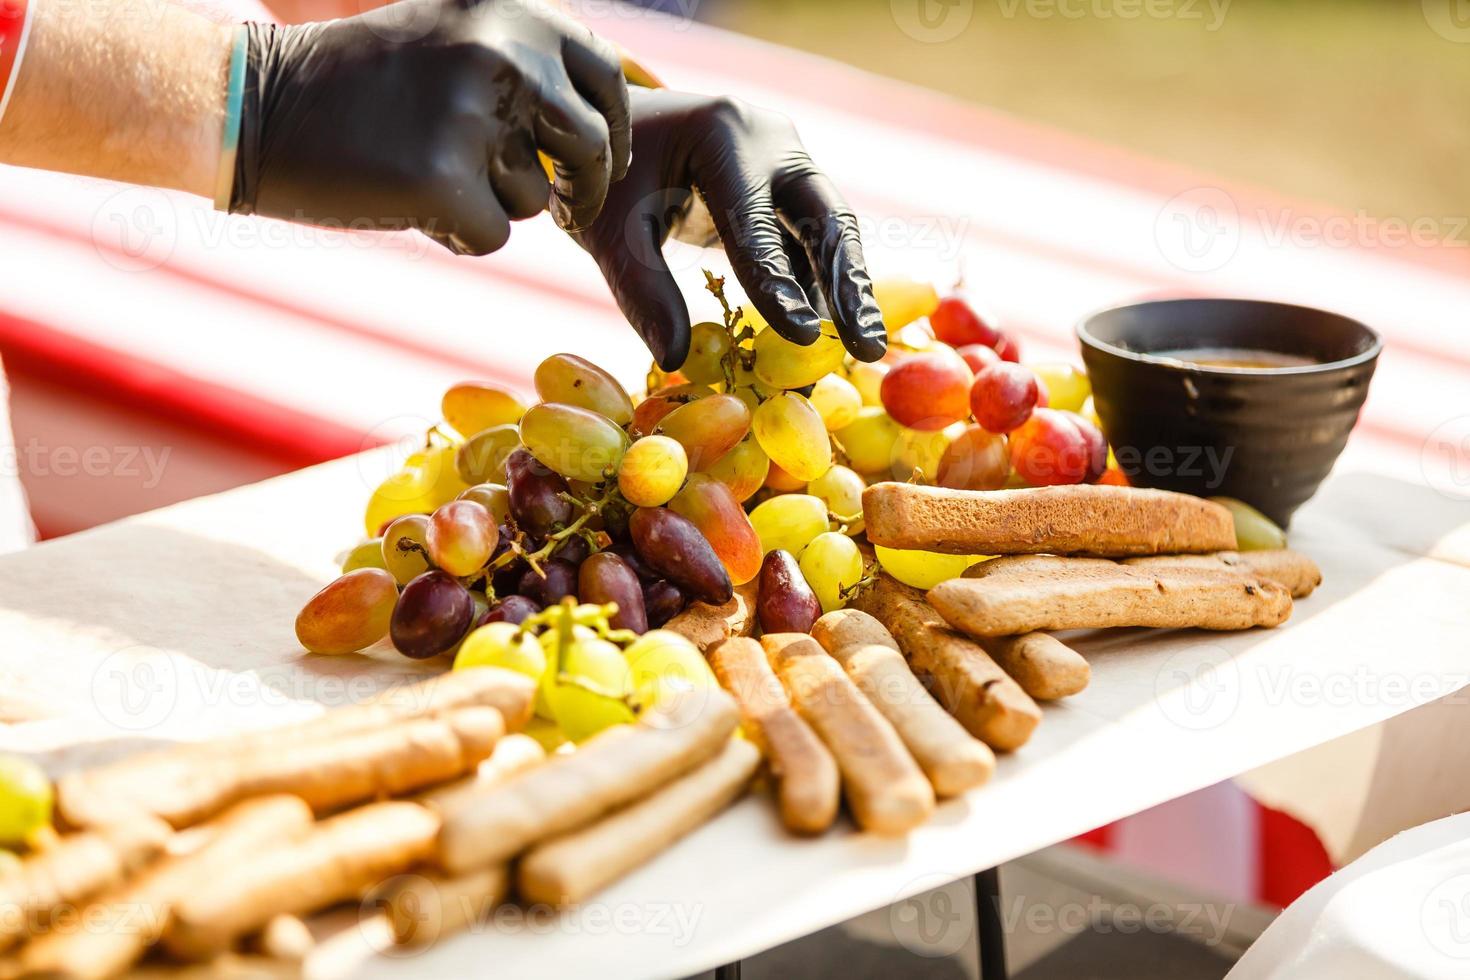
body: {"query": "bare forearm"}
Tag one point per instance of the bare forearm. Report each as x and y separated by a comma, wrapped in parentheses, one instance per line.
(129, 90)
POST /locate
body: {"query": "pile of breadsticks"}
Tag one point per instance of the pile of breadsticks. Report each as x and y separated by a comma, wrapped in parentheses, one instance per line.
(202, 852)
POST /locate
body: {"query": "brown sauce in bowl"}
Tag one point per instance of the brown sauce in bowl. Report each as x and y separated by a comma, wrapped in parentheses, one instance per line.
(1235, 357)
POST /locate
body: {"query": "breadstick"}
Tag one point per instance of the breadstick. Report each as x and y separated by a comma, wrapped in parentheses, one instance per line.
(424, 908)
(286, 938)
(962, 676)
(73, 869)
(337, 860)
(513, 754)
(1018, 594)
(610, 769)
(124, 923)
(108, 793)
(331, 772)
(1044, 666)
(885, 787)
(706, 626)
(951, 757)
(1292, 569)
(573, 867)
(808, 785)
(1083, 519)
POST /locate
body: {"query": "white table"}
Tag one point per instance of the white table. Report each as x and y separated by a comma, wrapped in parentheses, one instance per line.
(178, 625)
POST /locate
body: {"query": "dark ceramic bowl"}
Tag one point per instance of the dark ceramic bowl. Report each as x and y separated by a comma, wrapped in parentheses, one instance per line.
(1267, 436)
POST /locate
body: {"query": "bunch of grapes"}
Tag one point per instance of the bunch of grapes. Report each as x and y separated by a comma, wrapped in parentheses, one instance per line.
(747, 464)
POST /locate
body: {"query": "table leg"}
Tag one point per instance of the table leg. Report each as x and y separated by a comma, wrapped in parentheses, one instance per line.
(989, 928)
(730, 971)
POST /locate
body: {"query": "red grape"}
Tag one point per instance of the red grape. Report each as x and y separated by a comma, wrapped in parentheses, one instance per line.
(711, 507)
(662, 601)
(558, 581)
(515, 609)
(604, 577)
(927, 391)
(957, 323)
(673, 547)
(536, 500)
(1051, 449)
(1003, 396)
(785, 602)
(978, 356)
(1097, 448)
(1008, 348)
(461, 537)
(975, 460)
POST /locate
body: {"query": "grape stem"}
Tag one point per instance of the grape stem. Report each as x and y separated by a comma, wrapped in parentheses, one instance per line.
(736, 355)
(869, 579)
(589, 508)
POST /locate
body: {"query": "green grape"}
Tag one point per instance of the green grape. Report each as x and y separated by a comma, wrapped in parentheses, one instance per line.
(494, 497)
(502, 645)
(923, 569)
(406, 548)
(408, 491)
(867, 378)
(743, 469)
(369, 554)
(592, 688)
(902, 301)
(708, 428)
(922, 451)
(782, 364)
(474, 406)
(870, 441)
(836, 401)
(1067, 387)
(481, 459)
(575, 442)
(567, 379)
(1254, 531)
(708, 344)
(652, 471)
(25, 800)
(349, 614)
(789, 522)
(830, 564)
(841, 490)
(443, 482)
(792, 434)
(664, 663)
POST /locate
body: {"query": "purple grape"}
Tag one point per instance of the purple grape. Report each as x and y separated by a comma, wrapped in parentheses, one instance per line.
(512, 609)
(433, 614)
(559, 582)
(662, 601)
(673, 547)
(573, 550)
(629, 554)
(607, 578)
(535, 495)
(785, 602)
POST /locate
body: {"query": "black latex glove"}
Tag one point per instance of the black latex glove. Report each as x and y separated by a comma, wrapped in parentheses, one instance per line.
(790, 237)
(427, 114)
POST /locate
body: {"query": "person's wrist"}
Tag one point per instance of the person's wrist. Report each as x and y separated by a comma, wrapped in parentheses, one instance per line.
(201, 156)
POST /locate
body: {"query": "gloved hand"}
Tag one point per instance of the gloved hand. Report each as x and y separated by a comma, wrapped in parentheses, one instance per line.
(428, 114)
(790, 237)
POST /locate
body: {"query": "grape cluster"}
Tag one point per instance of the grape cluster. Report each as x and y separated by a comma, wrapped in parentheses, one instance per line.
(747, 464)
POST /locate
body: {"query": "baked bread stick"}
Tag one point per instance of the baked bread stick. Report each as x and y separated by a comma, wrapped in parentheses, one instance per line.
(1019, 594)
(957, 670)
(1044, 666)
(1296, 571)
(123, 923)
(571, 868)
(107, 794)
(952, 759)
(337, 860)
(614, 767)
(886, 790)
(808, 787)
(424, 908)
(1085, 519)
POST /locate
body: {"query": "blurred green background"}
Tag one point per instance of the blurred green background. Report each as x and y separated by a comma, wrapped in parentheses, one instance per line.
(1357, 104)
